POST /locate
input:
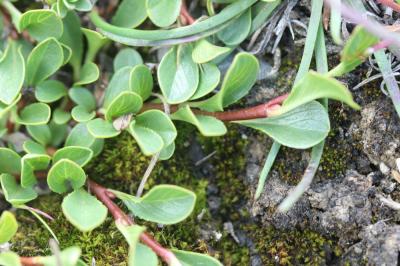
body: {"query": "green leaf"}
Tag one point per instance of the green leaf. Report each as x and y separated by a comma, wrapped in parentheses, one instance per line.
(167, 152)
(49, 91)
(41, 134)
(83, 210)
(63, 173)
(8, 227)
(80, 136)
(160, 123)
(31, 163)
(79, 155)
(207, 125)
(68, 257)
(12, 73)
(44, 60)
(118, 83)
(81, 114)
(164, 204)
(89, 74)
(204, 51)
(33, 147)
(300, 128)
(95, 42)
(67, 53)
(141, 81)
(130, 13)
(14, 193)
(9, 258)
(127, 57)
(41, 24)
(239, 79)
(163, 12)
(148, 140)
(34, 114)
(72, 37)
(354, 52)
(187, 258)
(173, 36)
(141, 255)
(79, 5)
(83, 97)
(238, 31)
(178, 75)
(10, 162)
(61, 117)
(209, 80)
(102, 129)
(315, 86)
(130, 232)
(125, 103)
(5, 109)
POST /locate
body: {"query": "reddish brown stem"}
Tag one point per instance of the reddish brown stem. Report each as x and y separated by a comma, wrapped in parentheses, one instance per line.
(259, 111)
(29, 261)
(106, 196)
(186, 15)
(391, 4)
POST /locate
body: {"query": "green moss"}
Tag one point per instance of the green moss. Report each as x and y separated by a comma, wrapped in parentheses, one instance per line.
(104, 244)
(296, 247)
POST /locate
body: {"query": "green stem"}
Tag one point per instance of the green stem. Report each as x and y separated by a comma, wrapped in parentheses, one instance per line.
(13, 11)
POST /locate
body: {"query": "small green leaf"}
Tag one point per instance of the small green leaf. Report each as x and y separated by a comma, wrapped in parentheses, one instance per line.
(34, 114)
(63, 173)
(61, 117)
(88, 74)
(44, 60)
(300, 128)
(130, 13)
(14, 193)
(204, 51)
(118, 83)
(237, 31)
(79, 5)
(67, 53)
(41, 133)
(209, 80)
(207, 125)
(8, 227)
(31, 163)
(148, 140)
(102, 129)
(95, 42)
(239, 79)
(33, 147)
(81, 114)
(72, 37)
(41, 24)
(9, 258)
(163, 12)
(187, 258)
(160, 123)
(355, 51)
(83, 97)
(49, 91)
(316, 86)
(5, 109)
(80, 136)
(141, 81)
(79, 155)
(141, 255)
(164, 204)
(167, 152)
(68, 257)
(10, 162)
(83, 210)
(127, 57)
(12, 73)
(125, 103)
(178, 75)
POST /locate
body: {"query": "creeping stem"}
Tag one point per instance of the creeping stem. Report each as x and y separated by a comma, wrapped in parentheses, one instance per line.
(260, 111)
(106, 197)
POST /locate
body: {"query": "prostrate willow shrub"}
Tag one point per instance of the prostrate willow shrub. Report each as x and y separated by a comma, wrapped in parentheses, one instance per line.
(66, 124)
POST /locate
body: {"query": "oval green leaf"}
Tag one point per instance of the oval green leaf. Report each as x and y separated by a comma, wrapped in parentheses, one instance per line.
(187, 258)
(209, 80)
(49, 91)
(237, 31)
(31, 163)
(127, 57)
(41, 24)
(125, 103)
(65, 173)
(79, 155)
(102, 129)
(10, 161)
(14, 193)
(34, 114)
(204, 51)
(130, 13)
(163, 12)
(8, 226)
(141, 81)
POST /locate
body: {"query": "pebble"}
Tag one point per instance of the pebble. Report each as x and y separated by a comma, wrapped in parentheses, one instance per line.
(398, 164)
(384, 168)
